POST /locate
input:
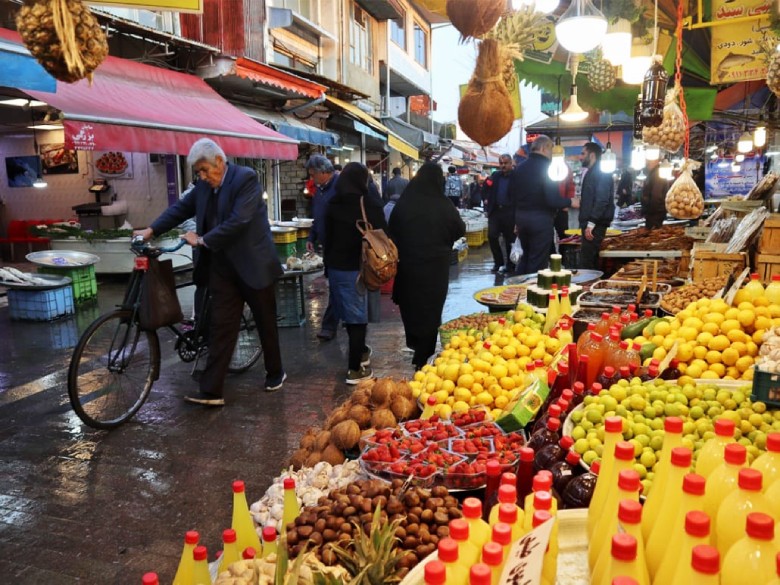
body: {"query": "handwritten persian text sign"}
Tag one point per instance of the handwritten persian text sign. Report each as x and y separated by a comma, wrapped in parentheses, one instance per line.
(526, 557)
(163, 5)
(737, 54)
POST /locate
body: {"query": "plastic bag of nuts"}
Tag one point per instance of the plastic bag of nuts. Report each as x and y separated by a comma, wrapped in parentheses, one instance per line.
(684, 200)
(670, 135)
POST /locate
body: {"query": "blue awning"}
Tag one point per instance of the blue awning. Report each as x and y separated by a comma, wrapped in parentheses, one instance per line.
(364, 129)
(20, 70)
(291, 127)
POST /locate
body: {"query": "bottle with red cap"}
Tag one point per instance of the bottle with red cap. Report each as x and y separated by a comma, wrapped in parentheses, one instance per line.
(467, 552)
(776, 580)
(550, 454)
(673, 436)
(595, 350)
(607, 377)
(578, 391)
(611, 346)
(627, 489)
(480, 573)
(623, 561)
(651, 373)
(493, 557)
(671, 497)
(697, 531)
(502, 534)
(734, 510)
(561, 382)
(624, 581)
(565, 471)
(572, 360)
(607, 510)
(435, 573)
(513, 517)
(553, 411)
(629, 518)
(184, 572)
(583, 364)
(493, 482)
(248, 553)
(269, 541)
(614, 317)
(601, 327)
(542, 483)
(703, 568)
(543, 500)
(243, 523)
(624, 373)
(479, 530)
(595, 389)
(579, 492)
(673, 371)
(613, 434)
(769, 462)
(230, 553)
(550, 563)
(692, 500)
(507, 494)
(456, 569)
(550, 435)
(200, 567)
(723, 480)
(627, 356)
(711, 453)
(150, 579)
(525, 473)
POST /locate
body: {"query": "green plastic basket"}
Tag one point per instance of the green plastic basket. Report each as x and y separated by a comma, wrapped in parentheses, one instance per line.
(766, 387)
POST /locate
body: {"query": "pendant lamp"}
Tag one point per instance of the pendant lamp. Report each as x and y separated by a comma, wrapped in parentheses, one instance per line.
(665, 170)
(546, 6)
(581, 28)
(745, 142)
(608, 160)
(558, 170)
(574, 113)
(634, 69)
(652, 152)
(759, 134)
(638, 158)
(616, 45)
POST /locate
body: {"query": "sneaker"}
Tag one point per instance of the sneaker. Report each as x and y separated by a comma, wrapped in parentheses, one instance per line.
(365, 358)
(205, 399)
(273, 383)
(326, 335)
(355, 376)
(495, 269)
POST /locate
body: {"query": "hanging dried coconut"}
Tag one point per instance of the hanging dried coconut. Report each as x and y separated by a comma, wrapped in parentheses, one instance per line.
(474, 19)
(64, 36)
(601, 75)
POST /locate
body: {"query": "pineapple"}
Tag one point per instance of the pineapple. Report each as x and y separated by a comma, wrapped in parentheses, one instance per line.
(601, 75)
(773, 73)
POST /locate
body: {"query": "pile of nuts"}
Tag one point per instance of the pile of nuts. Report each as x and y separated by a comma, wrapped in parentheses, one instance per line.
(684, 200)
(678, 299)
(670, 135)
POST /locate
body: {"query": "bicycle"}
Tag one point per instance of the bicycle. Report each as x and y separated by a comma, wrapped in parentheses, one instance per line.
(115, 363)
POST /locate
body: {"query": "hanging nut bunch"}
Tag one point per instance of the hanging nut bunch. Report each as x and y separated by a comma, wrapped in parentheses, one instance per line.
(64, 36)
(773, 73)
(601, 76)
(684, 200)
(670, 135)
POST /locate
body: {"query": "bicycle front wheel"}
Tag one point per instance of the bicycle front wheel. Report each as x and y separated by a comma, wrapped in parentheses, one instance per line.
(248, 349)
(112, 370)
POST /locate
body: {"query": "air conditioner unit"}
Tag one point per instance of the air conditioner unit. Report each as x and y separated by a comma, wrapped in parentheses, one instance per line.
(156, 159)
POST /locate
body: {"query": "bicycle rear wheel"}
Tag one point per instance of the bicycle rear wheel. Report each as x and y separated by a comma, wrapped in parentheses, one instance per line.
(248, 349)
(112, 370)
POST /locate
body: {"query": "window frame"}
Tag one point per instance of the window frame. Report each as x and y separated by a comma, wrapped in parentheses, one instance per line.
(419, 28)
(361, 50)
(395, 29)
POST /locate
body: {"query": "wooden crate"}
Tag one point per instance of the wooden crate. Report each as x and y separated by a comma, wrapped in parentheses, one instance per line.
(770, 235)
(708, 264)
(767, 265)
(684, 267)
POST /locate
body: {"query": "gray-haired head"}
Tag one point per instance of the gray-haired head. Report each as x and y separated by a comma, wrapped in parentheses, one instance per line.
(541, 143)
(207, 150)
(319, 163)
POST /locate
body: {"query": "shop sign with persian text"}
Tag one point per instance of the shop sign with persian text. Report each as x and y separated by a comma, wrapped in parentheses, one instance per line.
(160, 5)
(739, 50)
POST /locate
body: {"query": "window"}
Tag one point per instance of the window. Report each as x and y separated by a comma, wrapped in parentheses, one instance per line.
(302, 7)
(360, 52)
(420, 46)
(398, 31)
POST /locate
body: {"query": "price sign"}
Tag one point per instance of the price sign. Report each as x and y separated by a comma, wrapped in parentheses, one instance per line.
(525, 559)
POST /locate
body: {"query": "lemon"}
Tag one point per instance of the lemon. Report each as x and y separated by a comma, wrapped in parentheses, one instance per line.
(688, 333)
(699, 352)
(498, 371)
(684, 352)
(741, 297)
(704, 338)
(466, 380)
(713, 357)
(693, 371)
(445, 411)
(484, 398)
(659, 353)
(734, 335)
(746, 317)
(718, 368)
(729, 325)
(747, 374)
(743, 364)
(501, 402)
(731, 314)
(461, 394)
(752, 348)
(460, 406)
(662, 328)
(507, 383)
(693, 322)
(466, 369)
(758, 336)
(509, 352)
(729, 356)
(710, 327)
(709, 375)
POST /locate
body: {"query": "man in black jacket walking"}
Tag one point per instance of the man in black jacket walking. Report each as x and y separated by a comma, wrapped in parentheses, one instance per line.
(500, 209)
(597, 205)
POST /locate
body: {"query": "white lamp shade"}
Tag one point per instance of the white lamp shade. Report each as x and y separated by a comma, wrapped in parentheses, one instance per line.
(665, 170)
(581, 28)
(652, 152)
(558, 170)
(39, 183)
(638, 158)
(736, 167)
(574, 113)
(546, 6)
(634, 69)
(608, 161)
(739, 157)
(759, 136)
(616, 45)
(745, 142)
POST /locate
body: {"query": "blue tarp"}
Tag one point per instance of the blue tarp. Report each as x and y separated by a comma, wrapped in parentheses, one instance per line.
(20, 70)
(311, 135)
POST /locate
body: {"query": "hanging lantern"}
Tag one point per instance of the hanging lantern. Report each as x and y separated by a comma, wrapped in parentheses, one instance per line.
(745, 142)
(608, 160)
(581, 28)
(653, 93)
(652, 152)
(641, 58)
(638, 158)
(616, 46)
(665, 170)
(558, 170)
(759, 134)
(638, 118)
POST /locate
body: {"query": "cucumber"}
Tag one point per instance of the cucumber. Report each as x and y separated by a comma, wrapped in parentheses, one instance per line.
(635, 329)
(647, 351)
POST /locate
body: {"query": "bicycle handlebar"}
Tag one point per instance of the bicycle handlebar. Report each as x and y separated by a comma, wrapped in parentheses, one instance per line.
(139, 245)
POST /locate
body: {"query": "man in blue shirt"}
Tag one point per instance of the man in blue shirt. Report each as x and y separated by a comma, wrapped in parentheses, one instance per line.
(500, 209)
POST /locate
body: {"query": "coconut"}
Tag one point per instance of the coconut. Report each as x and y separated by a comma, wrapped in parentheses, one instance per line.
(308, 440)
(313, 458)
(401, 407)
(333, 455)
(322, 440)
(339, 414)
(402, 388)
(383, 391)
(474, 19)
(361, 395)
(299, 458)
(383, 418)
(485, 111)
(361, 415)
(345, 435)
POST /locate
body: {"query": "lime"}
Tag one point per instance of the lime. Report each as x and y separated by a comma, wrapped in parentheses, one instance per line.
(589, 457)
(656, 443)
(581, 446)
(648, 458)
(641, 470)
(696, 412)
(594, 416)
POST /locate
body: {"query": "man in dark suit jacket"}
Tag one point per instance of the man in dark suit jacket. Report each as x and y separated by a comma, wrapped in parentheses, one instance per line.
(500, 209)
(597, 205)
(236, 254)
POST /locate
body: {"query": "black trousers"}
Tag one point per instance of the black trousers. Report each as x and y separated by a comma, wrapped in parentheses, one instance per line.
(501, 221)
(535, 229)
(228, 295)
(589, 249)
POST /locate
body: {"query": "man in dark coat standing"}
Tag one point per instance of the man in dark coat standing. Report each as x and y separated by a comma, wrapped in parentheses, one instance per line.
(537, 200)
(236, 255)
(654, 197)
(500, 209)
(395, 186)
(597, 205)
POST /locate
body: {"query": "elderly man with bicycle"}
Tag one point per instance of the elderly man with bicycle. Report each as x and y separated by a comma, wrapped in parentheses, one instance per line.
(236, 257)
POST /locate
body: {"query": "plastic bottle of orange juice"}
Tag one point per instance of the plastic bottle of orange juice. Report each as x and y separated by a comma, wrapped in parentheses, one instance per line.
(456, 570)
(435, 573)
(200, 567)
(628, 489)
(550, 564)
(594, 348)
(514, 517)
(467, 552)
(624, 461)
(672, 496)
(613, 432)
(692, 500)
(542, 482)
(507, 494)
(673, 434)
(769, 463)
(736, 506)
(493, 557)
(752, 558)
(479, 530)
(723, 480)
(703, 568)
(623, 561)
(711, 453)
(754, 288)
(629, 519)
(697, 531)
(186, 562)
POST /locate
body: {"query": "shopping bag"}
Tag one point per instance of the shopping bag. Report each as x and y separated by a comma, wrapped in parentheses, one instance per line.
(516, 252)
(159, 303)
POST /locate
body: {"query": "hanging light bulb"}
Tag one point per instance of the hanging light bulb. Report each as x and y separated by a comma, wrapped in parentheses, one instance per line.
(40, 183)
(581, 28)
(638, 158)
(558, 169)
(616, 46)
(736, 167)
(636, 66)
(739, 157)
(759, 134)
(714, 155)
(745, 142)
(641, 176)
(546, 6)
(574, 113)
(665, 170)
(652, 152)
(608, 160)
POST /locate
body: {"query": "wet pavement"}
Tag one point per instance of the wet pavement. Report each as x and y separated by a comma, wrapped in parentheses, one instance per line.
(98, 507)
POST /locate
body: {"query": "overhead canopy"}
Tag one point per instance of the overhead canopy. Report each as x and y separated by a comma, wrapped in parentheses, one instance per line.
(21, 70)
(267, 75)
(412, 134)
(290, 126)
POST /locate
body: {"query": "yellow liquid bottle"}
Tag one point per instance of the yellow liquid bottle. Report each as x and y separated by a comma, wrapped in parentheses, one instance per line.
(553, 313)
(776, 580)
(723, 480)
(753, 558)
(512, 516)
(672, 495)
(697, 531)
(150, 579)
(493, 557)
(480, 574)
(467, 552)
(711, 453)
(292, 509)
(623, 561)
(427, 412)
(550, 563)
(269, 541)
(754, 288)
(692, 500)
(769, 463)
(613, 432)
(628, 491)
(542, 482)
(772, 494)
(703, 568)
(200, 567)
(624, 461)
(243, 523)
(543, 501)
(772, 292)
(230, 552)
(248, 553)
(184, 572)
(507, 494)
(457, 572)
(673, 434)
(630, 522)
(502, 534)
(479, 530)
(565, 302)
(733, 512)
(435, 573)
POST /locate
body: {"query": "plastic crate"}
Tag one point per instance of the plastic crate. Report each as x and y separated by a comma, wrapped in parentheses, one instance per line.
(474, 239)
(301, 246)
(766, 387)
(40, 305)
(285, 235)
(289, 311)
(284, 251)
(83, 281)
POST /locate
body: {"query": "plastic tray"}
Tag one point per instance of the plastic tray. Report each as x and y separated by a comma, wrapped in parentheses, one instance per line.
(63, 258)
(631, 286)
(577, 277)
(497, 290)
(609, 298)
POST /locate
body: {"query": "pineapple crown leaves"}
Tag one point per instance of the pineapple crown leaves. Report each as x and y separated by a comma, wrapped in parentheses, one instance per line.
(519, 29)
(372, 559)
(631, 10)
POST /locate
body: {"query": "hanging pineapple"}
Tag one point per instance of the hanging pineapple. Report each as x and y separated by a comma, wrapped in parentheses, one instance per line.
(601, 75)
(773, 73)
(64, 36)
